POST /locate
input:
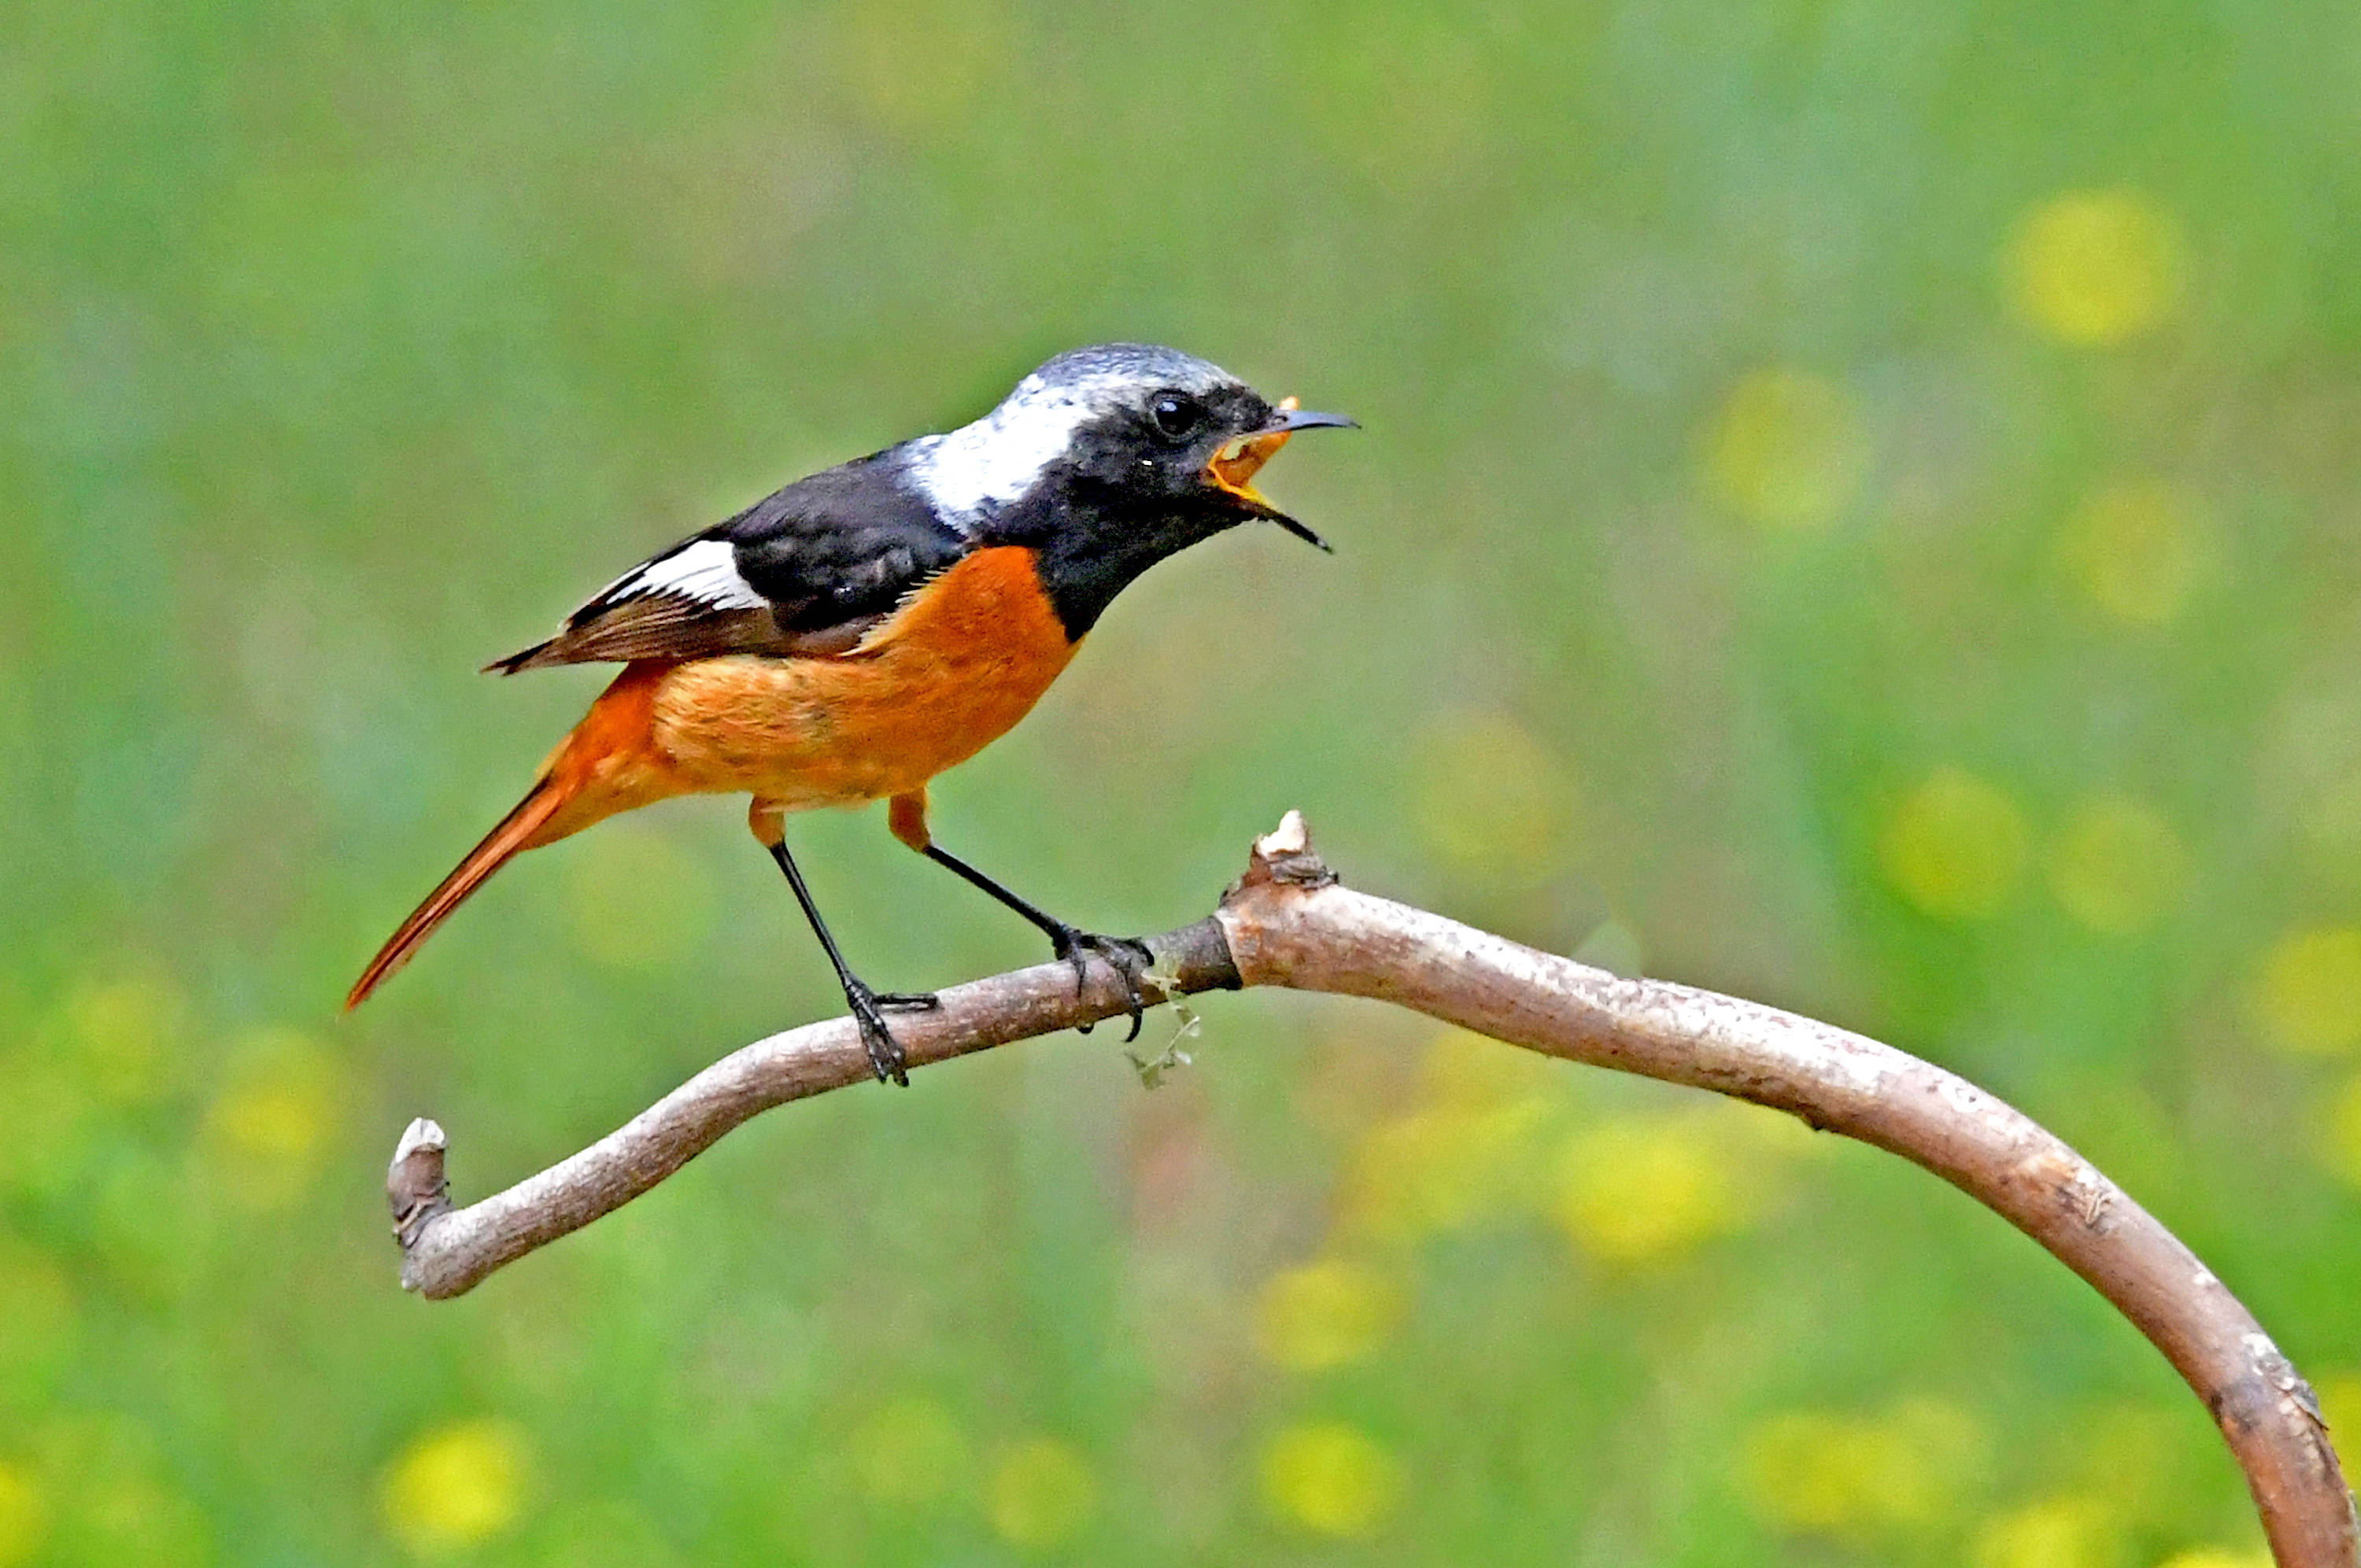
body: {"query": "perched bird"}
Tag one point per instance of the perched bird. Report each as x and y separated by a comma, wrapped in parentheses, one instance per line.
(850, 636)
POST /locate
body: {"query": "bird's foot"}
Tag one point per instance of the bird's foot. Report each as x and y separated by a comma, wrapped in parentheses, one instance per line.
(868, 1008)
(1127, 956)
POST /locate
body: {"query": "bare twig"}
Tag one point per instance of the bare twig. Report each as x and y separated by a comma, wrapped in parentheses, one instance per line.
(1288, 923)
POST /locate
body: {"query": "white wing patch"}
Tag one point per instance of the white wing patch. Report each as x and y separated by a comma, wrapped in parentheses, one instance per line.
(705, 571)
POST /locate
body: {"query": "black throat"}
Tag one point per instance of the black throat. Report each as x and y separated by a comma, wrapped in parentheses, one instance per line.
(1091, 538)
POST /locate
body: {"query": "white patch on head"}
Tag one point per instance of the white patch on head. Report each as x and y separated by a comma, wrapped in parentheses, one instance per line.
(705, 570)
(999, 457)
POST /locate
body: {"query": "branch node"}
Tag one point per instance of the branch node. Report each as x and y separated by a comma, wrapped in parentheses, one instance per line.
(1284, 857)
(415, 1188)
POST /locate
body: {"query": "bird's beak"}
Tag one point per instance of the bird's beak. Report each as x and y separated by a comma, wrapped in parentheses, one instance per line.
(1232, 469)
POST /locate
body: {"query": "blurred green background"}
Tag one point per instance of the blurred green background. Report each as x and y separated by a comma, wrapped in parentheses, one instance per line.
(1858, 508)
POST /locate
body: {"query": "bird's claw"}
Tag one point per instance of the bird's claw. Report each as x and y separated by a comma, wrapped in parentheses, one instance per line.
(1127, 956)
(885, 1057)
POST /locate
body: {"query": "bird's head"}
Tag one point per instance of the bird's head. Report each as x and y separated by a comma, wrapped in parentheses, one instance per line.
(1108, 459)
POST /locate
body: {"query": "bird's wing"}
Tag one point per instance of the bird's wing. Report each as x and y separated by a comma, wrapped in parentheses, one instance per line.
(807, 571)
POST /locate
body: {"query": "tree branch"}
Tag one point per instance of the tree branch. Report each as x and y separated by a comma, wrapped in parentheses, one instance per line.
(1288, 923)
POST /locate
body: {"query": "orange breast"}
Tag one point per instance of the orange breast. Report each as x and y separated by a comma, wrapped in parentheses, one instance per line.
(956, 667)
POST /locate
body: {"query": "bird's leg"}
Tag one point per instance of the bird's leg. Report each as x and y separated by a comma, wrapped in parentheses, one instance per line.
(906, 817)
(886, 1056)
(1128, 956)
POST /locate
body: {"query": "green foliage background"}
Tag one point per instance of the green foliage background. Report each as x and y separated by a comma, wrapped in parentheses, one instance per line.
(1858, 507)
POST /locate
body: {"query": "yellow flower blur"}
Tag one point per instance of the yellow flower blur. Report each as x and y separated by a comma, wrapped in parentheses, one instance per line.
(1325, 1314)
(2218, 1557)
(2345, 1139)
(1444, 1169)
(1493, 801)
(2137, 549)
(2308, 995)
(123, 1033)
(271, 1124)
(1043, 1494)
(1786, 451)
(1633, 1192)
(2119, 867)
(2340, 1401)
(42, 1322)
(2095, 267)
(1471, 1153)
(1954, 846)
(1856, 1475)
(1466, 1070)
(455, 1485)
(24, 1517)
(1331, 1478)
(2060, 1532)
(909, 1454)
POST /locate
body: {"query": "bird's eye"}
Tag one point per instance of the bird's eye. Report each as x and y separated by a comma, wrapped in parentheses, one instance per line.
(1177, 415)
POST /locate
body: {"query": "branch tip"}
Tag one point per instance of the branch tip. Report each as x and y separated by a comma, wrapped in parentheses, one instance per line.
(415, 1188)
(1285, 856)
(422, 1134)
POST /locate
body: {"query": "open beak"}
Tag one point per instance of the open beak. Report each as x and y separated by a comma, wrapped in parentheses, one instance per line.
(1233, 468)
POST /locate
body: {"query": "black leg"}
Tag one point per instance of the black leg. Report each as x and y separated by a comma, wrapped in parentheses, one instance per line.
(886, 1056)
(1128, 958)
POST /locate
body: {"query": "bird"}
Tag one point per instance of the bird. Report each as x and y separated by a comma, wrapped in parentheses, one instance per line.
(855, 633)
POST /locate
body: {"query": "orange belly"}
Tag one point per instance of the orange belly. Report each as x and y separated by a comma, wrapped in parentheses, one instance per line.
(954, 669)
(960, 661)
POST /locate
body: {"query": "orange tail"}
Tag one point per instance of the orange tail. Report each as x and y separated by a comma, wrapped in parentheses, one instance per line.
(606, 765)
(516, 831)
